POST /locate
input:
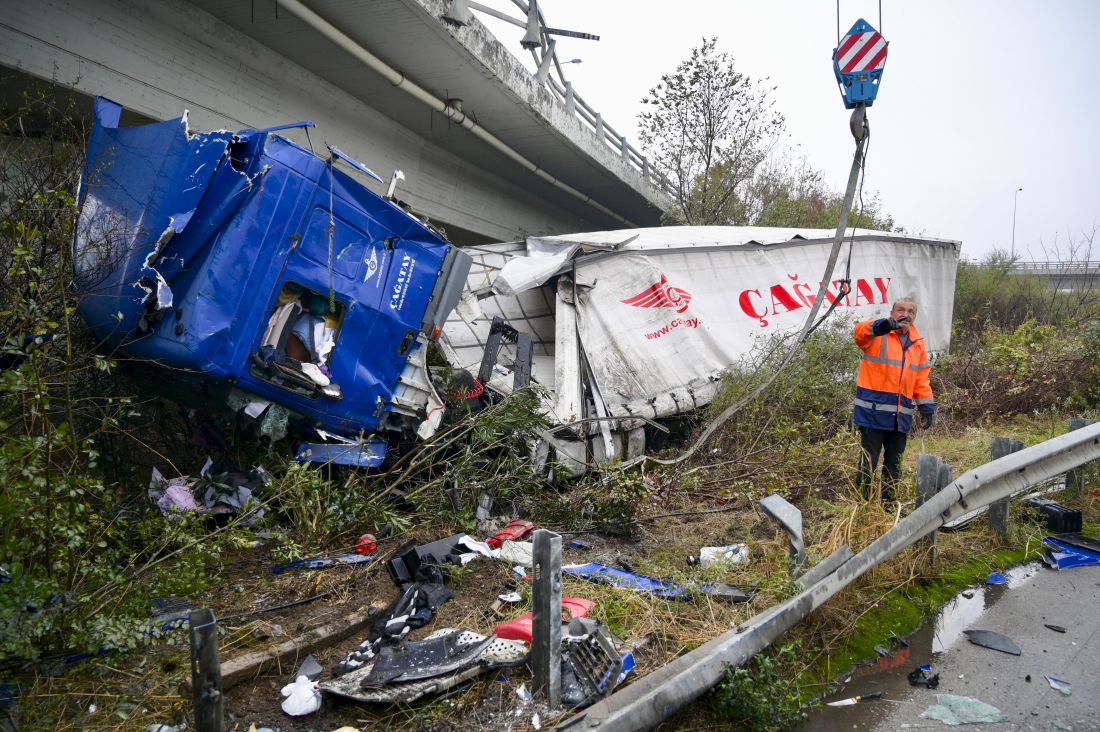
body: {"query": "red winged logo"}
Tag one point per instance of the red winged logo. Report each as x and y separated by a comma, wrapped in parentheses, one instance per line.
(661, 295)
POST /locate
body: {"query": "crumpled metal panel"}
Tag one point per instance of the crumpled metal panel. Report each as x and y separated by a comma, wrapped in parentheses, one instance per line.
(185, 241)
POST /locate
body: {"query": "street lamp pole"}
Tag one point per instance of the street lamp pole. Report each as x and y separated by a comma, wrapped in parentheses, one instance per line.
(1014, 195)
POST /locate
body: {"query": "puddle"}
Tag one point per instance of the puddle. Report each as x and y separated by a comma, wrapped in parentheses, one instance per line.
(961, 612)
(888, 674)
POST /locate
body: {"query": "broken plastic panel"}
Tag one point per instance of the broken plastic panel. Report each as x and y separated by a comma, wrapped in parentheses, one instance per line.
(438, 654)
(993, 640)
(521, 628)
(322, 562)
(1063, 555)
(590, 665)
(369, 454)
(496, 653)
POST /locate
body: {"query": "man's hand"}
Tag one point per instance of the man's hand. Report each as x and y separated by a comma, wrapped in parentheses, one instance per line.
(894, 324)
(926, 419)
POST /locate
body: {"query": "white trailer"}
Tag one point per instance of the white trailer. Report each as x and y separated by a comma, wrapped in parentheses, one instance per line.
(641, 323)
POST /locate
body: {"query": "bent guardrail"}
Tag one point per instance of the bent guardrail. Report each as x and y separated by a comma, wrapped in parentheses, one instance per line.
(653, 698)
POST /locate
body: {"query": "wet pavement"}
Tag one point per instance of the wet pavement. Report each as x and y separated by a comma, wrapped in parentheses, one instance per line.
(1034, 596)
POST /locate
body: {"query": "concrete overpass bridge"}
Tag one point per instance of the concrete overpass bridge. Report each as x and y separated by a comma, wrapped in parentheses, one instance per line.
(489, 150)
(1063, 276)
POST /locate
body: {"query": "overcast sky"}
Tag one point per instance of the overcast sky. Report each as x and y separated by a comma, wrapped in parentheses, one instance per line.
(978, 99)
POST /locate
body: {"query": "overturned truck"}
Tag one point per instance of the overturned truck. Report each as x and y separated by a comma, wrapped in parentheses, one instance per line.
(266, 279)
(628, 327)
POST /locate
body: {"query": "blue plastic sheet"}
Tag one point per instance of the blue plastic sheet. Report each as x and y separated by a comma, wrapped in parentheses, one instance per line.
(1066, 556)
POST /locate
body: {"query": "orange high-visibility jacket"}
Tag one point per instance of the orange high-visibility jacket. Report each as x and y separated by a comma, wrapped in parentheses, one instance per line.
(893, 381)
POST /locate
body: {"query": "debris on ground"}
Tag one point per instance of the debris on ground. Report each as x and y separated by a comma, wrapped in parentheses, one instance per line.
(709, 556)
(1059, 519)
(1063, 555)
(923, 676)
(855, 699)
(993, 640)
(954, 710)
(1062, 686)
(520, 628)
(301, 695)
(996, 578)
(1055, 628)
(217, 490)
(321, 562)
(516, 529)
(415, 669)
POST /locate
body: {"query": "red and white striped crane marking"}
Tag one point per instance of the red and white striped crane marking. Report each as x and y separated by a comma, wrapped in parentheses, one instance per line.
(861, 52)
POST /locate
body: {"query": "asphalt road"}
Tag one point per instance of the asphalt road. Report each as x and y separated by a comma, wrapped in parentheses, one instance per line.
(1035, 596)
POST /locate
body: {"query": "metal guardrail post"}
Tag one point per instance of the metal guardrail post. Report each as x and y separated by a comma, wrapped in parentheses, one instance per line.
(928, 485)
(998, 510)
(546, 620)
(1075, 479)
(206, 672)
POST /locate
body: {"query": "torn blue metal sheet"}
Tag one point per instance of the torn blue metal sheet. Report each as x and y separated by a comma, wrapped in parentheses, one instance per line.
(323, 562)
(369, 454)
(1067, 556)
(188, 242)
(605, 575)
(353, 162)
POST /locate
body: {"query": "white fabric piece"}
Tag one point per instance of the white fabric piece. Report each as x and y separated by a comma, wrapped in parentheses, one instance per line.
(256, 407)
(518, 552)
(302, 697)
(315, 335)
(314, 373)
(479, 547)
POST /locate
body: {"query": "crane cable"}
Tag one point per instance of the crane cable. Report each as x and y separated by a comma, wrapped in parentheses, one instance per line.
(861, 132)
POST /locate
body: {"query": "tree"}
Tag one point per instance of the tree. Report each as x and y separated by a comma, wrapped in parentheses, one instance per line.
(786, 192)
(708, 130)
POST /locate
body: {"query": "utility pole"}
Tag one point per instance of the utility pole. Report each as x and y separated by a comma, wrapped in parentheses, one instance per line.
(1014, 195)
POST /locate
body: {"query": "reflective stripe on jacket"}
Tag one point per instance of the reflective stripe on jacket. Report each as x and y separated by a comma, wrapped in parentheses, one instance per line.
(893, 381)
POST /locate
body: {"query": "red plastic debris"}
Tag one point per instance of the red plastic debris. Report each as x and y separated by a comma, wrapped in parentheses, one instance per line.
(516, 529)
(366, 544)
(520, 628)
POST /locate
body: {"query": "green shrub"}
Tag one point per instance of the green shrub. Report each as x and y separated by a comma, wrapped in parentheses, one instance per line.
(1024, 370)
(762, 695)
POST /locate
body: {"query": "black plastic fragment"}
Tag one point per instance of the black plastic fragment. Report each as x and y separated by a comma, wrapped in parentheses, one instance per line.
(992, 640)
(919, 677)
(1055, 628)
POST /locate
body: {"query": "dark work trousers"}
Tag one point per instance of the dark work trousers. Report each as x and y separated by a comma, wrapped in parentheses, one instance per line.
(874, 442)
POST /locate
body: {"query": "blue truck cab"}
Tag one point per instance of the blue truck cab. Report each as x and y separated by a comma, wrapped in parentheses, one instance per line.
(244, 263)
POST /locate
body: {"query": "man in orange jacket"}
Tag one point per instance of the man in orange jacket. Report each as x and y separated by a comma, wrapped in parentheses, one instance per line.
(892, 386)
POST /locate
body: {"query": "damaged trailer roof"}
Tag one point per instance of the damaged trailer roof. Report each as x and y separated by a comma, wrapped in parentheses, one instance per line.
(642, 322)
